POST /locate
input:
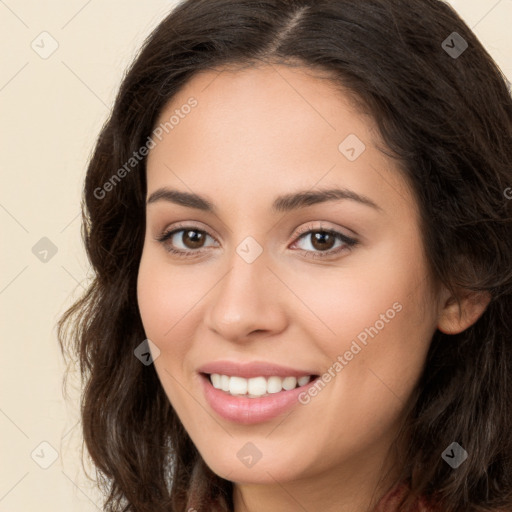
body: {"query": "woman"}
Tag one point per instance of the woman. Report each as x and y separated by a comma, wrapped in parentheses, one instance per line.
(299, 222)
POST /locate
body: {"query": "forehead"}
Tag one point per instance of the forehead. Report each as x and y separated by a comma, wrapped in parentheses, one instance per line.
(268, 98)
(263, 129)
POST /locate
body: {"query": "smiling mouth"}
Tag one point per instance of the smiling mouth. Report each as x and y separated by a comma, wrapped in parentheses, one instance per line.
(256, 387)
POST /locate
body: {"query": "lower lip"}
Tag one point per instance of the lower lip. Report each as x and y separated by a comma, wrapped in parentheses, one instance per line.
(247, 411)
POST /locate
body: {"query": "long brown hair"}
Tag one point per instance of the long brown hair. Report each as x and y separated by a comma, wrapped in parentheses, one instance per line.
(444, 112)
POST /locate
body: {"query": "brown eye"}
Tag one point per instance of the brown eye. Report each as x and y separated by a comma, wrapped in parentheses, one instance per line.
(189, 241)
(322, 240)
(185, 241)
(193, 238)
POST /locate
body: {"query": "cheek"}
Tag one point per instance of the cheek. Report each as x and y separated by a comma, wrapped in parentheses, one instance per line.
(350, 302)
(165, 308)
(169, 299)
(160, 300)
(154, 298)
(380, 321)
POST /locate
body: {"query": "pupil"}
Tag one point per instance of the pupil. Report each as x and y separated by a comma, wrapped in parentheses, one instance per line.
(196, 240)
(320, 237)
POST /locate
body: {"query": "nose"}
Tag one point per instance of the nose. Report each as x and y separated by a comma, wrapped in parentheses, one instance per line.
(248, 299)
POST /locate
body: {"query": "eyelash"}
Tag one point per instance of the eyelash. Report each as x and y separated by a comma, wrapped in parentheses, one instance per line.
(349, 243)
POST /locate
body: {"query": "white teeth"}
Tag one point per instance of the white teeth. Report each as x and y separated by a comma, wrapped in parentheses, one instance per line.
(256, 386)
(238, 386)
(289, 383)
(224, 383)
(303, 380)
(216, 378)
(274, 384)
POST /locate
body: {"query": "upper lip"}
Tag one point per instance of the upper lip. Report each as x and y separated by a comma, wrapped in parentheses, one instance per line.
(252, 369)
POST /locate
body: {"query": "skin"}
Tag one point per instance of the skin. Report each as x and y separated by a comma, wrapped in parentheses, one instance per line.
(255, 134)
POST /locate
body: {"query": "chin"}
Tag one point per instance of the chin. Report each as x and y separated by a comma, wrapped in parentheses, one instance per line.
(261, 472)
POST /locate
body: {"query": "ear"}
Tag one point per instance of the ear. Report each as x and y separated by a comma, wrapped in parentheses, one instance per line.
(453, 320)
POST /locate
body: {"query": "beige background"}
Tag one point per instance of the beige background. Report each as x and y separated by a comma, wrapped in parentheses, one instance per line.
(52, 111)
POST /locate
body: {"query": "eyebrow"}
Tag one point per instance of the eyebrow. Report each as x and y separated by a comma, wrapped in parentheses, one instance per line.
(283, 203)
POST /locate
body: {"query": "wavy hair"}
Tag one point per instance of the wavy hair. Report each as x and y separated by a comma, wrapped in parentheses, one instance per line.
(447, 120)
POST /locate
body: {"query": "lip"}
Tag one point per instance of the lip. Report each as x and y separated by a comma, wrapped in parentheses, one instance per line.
(248, 411)
(253, 369)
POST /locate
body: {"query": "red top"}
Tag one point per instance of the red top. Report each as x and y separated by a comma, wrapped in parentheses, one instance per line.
(389, 502)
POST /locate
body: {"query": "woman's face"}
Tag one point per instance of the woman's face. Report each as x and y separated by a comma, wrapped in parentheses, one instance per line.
(259, 281)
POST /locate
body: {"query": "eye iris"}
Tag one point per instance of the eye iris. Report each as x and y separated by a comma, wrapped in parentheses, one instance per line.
(196, 236)
(320, 237)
